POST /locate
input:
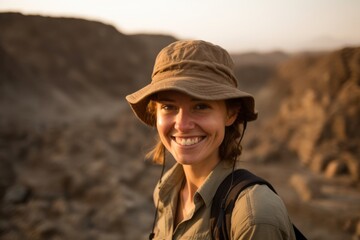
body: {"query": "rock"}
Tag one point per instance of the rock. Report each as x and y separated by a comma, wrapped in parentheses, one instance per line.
(335, 168)
(357, 231)
(319, 162)
(7, 174)
(305, 187)
(17, 194)
(353, 166)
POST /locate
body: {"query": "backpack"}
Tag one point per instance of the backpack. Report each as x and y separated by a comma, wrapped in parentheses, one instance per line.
(224, 202)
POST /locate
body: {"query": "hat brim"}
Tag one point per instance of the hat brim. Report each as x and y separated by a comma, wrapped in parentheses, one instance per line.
(195, 87)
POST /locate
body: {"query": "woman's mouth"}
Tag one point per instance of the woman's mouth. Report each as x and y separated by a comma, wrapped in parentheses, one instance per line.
(187, 141)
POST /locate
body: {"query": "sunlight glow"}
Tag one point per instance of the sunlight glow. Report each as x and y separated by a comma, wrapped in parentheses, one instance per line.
(238, 25)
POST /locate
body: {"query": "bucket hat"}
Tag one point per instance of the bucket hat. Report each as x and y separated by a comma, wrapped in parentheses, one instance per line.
(195, 67)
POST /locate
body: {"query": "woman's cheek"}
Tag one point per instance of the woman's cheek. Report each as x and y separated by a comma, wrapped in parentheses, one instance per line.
(159, 121)
(163, 124)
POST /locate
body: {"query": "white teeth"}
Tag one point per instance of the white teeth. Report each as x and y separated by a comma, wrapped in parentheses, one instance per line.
(188, 141)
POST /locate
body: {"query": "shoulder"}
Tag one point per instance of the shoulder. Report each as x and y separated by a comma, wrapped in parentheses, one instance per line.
(260, 210)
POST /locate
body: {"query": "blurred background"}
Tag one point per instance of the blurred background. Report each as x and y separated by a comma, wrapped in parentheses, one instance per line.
(72, 153)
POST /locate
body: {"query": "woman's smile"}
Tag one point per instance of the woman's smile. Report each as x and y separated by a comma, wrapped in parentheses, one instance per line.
(187, 141)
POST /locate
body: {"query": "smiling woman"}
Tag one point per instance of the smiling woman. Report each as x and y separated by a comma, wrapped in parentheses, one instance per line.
(200, 116)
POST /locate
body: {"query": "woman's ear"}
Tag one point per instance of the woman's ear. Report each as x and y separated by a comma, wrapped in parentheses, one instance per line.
(231, 116)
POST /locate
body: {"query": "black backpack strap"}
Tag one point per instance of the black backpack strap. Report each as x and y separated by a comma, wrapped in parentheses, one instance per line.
(221, 209)
(298, 234)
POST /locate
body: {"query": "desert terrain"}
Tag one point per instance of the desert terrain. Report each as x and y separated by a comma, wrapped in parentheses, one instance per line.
(72, 153)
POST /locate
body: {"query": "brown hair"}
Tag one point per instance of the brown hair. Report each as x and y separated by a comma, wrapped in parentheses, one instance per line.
(230, 148)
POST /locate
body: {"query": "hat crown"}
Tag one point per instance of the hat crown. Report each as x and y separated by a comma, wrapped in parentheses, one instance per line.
(194, 58)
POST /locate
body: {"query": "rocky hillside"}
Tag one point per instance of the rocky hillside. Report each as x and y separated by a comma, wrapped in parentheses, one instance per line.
(319, 111)
(71, 151)
(71, 63)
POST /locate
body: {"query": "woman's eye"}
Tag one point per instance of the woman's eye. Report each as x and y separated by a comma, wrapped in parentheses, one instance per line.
(167, 107)
(201, 106)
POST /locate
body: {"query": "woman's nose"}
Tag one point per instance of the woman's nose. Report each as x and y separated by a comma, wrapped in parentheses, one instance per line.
(183, 120)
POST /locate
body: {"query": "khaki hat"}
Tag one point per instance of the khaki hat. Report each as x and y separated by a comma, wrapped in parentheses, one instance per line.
(197, 68)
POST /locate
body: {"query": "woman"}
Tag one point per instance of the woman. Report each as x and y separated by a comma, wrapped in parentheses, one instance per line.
(200, 115)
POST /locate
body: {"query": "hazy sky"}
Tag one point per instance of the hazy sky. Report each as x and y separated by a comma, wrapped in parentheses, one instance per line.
(237, 25)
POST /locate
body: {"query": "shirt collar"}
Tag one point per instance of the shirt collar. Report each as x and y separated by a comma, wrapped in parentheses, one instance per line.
(173, 178)
(213, 181)
(171, 181)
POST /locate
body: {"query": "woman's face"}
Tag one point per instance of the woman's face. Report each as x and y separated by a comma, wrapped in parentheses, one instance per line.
(192, 129)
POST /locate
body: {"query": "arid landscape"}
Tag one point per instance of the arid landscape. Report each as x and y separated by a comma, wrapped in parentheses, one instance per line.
(72, 153)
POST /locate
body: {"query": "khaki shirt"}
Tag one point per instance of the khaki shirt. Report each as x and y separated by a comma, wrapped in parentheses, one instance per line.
(258, 214)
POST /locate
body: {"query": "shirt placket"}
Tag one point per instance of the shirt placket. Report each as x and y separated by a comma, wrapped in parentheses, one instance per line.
(182, 226)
